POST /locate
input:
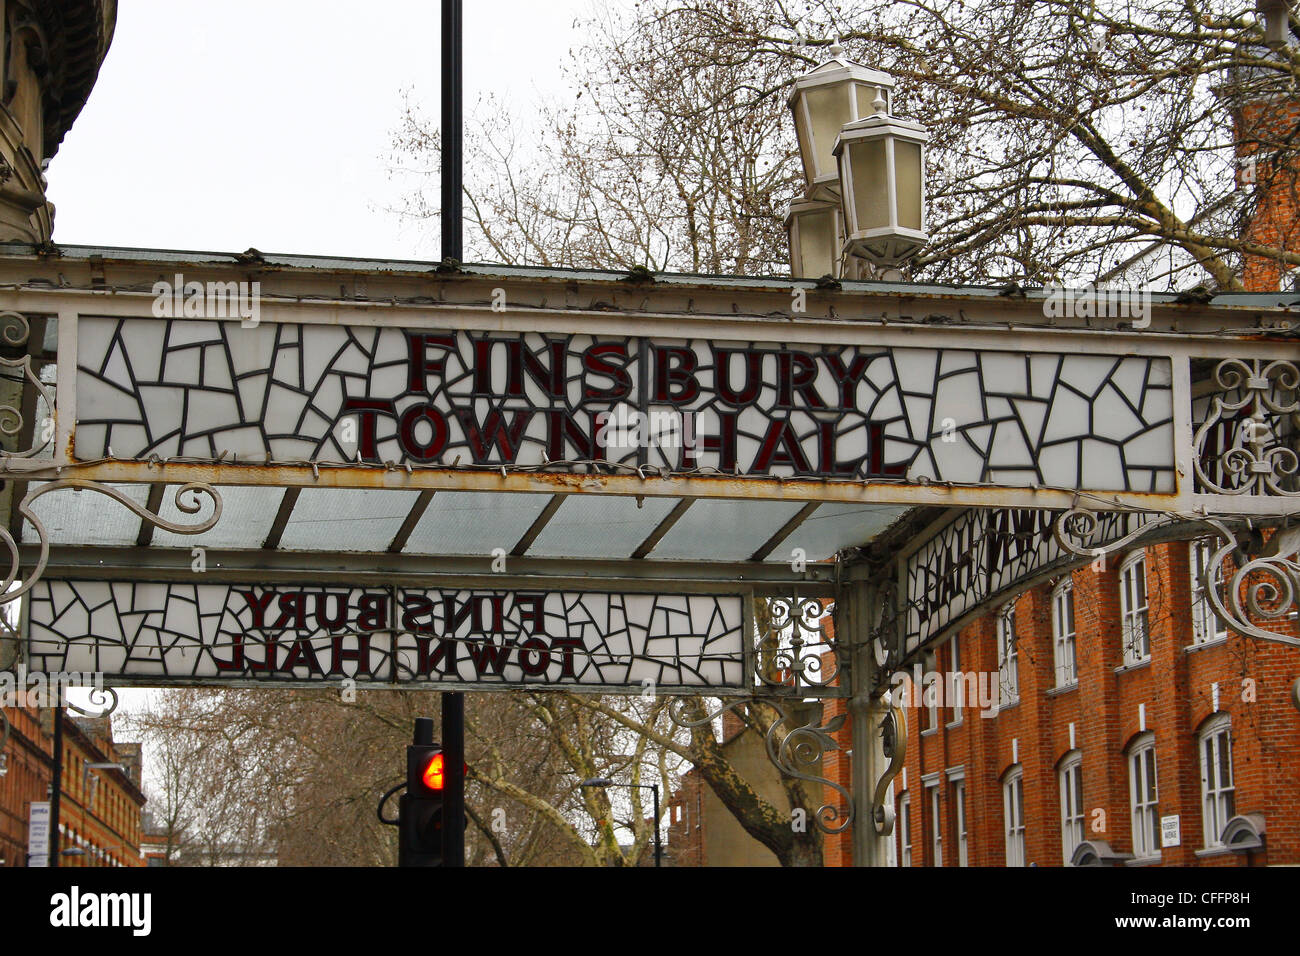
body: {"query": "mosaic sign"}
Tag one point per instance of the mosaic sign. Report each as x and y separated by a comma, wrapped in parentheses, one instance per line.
(207, 390)
(214, 633)
(984, 553)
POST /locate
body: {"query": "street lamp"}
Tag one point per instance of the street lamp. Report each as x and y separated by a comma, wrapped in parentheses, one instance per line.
(882, 175)
(1277, 22)
(604, 782)
(824, 100)
(865, 175)
(816, 229)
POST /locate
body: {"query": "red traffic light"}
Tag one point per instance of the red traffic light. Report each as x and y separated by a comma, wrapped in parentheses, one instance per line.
(432, 773)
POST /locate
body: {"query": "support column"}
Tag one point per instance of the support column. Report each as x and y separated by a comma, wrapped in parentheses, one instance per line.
(855, 605)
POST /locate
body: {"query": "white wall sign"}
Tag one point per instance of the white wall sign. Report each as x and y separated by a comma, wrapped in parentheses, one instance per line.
(38, 834)
(1169, 831)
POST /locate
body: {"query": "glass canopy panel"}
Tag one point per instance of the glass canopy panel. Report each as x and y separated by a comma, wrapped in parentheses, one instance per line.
(715, 530)
(595, 526)
(474, 522)
(346, 519)
(246, 518)
(86, 517)
(831, 528)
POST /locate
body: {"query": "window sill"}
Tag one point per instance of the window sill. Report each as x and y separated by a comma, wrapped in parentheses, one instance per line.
(1133, 666)
(1144, 861)
(1215, 642)
(954, 723)
(1062, 689)
(1013, 702)
(1212, 851)
(930, 732)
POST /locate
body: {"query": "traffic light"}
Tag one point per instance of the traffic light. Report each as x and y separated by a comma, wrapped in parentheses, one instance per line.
(420, 811)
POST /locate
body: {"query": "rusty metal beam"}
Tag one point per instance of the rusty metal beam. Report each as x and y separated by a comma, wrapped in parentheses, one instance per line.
(787, 529)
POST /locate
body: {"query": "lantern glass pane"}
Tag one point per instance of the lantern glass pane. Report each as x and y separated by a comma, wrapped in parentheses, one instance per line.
(870, 192)
(830, 109)
(907, 183)
(817, 251)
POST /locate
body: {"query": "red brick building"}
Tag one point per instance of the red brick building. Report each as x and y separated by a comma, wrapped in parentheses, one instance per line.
(26, 779)
(102, 800)
(1127, 727)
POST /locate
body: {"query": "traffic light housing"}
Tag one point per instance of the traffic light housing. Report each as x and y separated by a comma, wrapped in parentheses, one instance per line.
(420, 809)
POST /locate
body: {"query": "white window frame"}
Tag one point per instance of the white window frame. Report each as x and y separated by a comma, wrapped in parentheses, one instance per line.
(1064, 634)
(955, 689)
(1013, 815)
(959, 812)
(1008, 657)
(903, 822)
(1206, 626)
(1218, 796)
(1070, 776)
(1135, 629)
(1144, 797)
(934, 805)
(931, 685)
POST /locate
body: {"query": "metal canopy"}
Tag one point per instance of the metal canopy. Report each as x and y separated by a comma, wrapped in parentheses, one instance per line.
(475, 475)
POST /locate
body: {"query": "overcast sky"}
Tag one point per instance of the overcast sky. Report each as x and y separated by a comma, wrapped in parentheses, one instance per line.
(269, 123)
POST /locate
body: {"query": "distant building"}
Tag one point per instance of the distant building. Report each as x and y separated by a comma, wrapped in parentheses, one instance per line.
(102, 798)
(101, 803)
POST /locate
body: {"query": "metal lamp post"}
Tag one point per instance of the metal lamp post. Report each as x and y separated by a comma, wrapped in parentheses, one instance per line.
(604, 782)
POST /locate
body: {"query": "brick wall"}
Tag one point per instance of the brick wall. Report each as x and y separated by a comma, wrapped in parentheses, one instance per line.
(1266, 132)
(1170, 696)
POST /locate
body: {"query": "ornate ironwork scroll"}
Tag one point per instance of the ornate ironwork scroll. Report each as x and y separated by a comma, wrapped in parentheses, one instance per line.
(886, 635)
(677, 711)
(893, 741)
(191, 505)
(1084, 532)
(1263, 586)
(1246, 444)
(99, 697)
(802, 745)
(15, 333)
(796, 653)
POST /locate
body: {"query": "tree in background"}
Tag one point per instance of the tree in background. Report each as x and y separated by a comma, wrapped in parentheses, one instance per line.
(1070, 139)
